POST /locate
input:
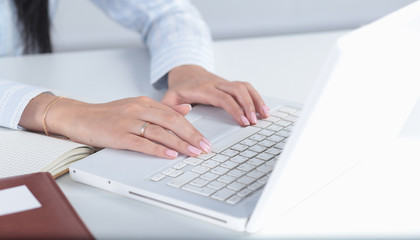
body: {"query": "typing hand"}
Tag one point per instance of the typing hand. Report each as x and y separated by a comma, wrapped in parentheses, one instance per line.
(120, 124)
(193, 84)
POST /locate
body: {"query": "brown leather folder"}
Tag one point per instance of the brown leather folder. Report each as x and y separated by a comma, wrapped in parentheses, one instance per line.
(55, 219)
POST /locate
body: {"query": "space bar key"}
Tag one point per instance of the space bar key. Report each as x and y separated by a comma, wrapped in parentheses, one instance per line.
(234, 138)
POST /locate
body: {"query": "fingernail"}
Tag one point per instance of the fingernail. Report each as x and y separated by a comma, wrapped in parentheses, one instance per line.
(207, 141)
(186, 104)
(244, 120)
(171, 153)
(253, 118)
(205, 147)
(265, 110)
(194, 150)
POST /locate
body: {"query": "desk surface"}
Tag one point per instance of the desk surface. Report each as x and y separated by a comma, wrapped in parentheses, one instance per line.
(357, 204)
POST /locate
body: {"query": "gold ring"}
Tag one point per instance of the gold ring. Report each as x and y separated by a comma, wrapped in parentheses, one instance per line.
(143, 129)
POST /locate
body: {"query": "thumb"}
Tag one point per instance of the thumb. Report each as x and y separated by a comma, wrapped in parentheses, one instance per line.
(183, 109)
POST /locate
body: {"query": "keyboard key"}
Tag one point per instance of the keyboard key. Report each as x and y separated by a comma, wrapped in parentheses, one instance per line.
(245, 192)
(239, 147)
(255, 161)
(274, 151)
(289, 128)
(157, 177)
(209, 176)
(220, 158)
(246, 167)
(279, 114)
(257, 137)
(258, 148)
(255, 186)
(246, 180)
(256, 174)
(168, 171)
(226, 179)
(267, 143)
(275, 138)
(272, 162)
(198, 182)
(183, 179)
(275, 127)
(291, 118)
(179, 165)
(219, 170)
(272, 118)
(263, 124)
(193, 161)
(284, 133)
(239, 159)
(206, 156)
(223, 194)
(265, 168)
(175, 173)
(284, 123)
(236, 186)
(229, 164)
(210, 163)
(236, 173)
(248, 153)
(216, 185)
(265, 156)
(266, 132)
(200, 169)
(230, 152)
(234, 199)
(280, 145)
(205, 191)
(249, 142)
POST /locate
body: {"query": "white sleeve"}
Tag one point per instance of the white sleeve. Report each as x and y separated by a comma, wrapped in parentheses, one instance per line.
(173, 31)
(13, 99)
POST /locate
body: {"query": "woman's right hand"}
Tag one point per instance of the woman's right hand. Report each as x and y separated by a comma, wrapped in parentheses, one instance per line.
(118, 124)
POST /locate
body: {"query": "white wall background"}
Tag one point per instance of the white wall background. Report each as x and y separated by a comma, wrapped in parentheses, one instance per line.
(80, 25)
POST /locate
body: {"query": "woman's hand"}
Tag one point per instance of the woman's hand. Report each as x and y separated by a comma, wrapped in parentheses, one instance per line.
(118, 124)
(192, 84)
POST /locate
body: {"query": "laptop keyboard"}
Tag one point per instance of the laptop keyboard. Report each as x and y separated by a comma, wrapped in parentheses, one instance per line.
(238, 165)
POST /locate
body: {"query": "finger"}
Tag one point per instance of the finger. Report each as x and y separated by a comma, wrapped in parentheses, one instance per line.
(139, 144)
(229, 104)
(259, 103)
(240, 92)
(163, 136)
(183, 109)
(176, 123)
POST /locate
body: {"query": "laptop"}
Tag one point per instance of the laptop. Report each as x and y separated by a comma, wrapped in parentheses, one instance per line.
(255, 174)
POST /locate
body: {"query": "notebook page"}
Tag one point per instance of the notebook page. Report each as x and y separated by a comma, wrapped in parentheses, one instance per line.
(24, 152)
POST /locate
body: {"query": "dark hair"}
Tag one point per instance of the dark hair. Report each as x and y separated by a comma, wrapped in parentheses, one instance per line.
(34, 24)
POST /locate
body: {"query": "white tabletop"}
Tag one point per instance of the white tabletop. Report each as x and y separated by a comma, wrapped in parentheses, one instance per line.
(378, 198)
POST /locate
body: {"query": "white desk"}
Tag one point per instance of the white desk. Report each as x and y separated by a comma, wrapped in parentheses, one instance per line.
(283, 66)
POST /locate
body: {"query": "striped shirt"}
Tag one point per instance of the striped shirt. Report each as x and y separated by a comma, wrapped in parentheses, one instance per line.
(173, 31)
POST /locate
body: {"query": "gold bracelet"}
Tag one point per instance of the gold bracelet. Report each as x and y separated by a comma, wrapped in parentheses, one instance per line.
(44, 117)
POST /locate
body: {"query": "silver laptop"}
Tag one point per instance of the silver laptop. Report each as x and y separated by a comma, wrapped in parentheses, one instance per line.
(254, 174)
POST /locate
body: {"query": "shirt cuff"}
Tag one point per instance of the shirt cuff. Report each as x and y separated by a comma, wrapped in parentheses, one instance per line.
(177, 54)
(15, 97)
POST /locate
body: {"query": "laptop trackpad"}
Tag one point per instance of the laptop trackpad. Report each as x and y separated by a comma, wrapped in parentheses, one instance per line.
(214, 129)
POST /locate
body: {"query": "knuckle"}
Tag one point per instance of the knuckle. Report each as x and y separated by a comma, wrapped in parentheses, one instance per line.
(144, 99)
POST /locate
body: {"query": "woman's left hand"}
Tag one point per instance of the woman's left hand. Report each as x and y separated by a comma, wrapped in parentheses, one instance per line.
(193, 84)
